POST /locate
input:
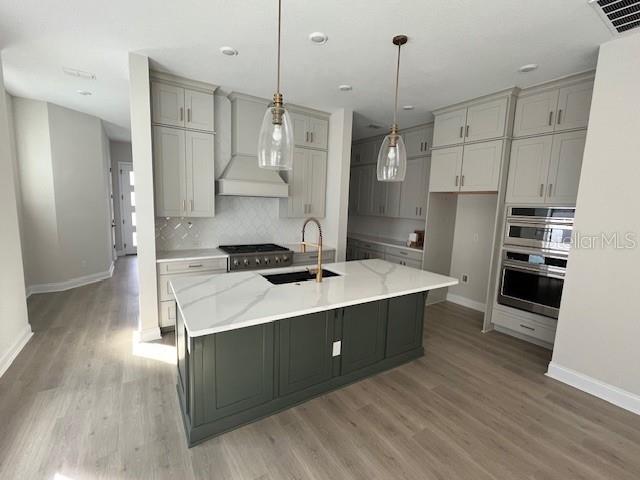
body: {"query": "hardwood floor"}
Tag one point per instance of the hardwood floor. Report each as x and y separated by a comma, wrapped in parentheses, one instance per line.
(80, 402)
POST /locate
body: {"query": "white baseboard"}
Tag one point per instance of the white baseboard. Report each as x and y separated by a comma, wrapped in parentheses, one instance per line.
(69, 284)
(7, 359)
(465, 302)
(617, 396)
(148, 334)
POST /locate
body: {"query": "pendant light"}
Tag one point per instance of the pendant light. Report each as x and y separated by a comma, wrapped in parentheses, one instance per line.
(275, 141)
(392, 158)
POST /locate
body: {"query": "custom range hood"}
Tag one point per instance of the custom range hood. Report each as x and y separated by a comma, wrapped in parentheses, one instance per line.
(242, 176)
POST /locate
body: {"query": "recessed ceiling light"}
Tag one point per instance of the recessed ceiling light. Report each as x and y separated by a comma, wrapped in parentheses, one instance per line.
(528, 68)
(345, 88)
(408, 107)
(318, 38)
(84, 92)
(230, 51)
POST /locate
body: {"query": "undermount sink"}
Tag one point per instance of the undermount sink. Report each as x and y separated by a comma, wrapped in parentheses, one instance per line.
(294, 277)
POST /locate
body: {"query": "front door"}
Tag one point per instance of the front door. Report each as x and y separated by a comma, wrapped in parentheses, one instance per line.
(128, 209)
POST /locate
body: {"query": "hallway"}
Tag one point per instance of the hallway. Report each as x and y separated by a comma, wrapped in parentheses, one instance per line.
(83, 402)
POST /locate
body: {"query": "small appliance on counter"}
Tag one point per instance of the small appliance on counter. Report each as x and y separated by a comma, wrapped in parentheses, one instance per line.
(416, 239)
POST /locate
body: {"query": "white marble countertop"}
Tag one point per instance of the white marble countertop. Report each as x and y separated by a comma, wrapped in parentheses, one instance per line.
(297, 247)
(392, 242)
(217, 303)
(188, 255)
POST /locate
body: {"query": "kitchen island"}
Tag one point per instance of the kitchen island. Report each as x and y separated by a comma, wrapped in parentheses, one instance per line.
(247, 347)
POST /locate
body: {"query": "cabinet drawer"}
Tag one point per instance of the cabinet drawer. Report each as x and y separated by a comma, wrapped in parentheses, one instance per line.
(167, 313)
(204, 265)
(164, 289)
(407, 262)
(371, 246)
(403, 253)
(311, 258)
(525, 327)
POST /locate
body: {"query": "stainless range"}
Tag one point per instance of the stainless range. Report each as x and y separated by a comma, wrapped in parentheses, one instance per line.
(257, 257)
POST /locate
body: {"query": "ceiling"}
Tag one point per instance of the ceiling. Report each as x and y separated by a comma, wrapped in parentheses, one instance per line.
(457, 49)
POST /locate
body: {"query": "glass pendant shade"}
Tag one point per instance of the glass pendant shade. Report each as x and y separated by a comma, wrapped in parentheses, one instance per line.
(275, 141)
(392, 159)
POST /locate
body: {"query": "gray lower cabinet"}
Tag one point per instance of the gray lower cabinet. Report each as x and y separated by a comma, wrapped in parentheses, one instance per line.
(305, 351)
(228, 379)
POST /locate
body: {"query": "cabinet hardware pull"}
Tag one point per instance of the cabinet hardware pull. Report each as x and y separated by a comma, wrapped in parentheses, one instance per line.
(188, 114)
(550, 189)
(457, 178)
(467, 133)
(461, 131)
(551, 118)
(420, 211)
(181, 114)
(528, 327)
(184, 205)
(542, 189)
(306, 136)
(462, 181)
(559, 116)
(311, 137)
(199, 265)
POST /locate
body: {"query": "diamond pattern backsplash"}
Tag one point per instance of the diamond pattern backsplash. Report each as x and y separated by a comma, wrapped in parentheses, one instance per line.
(238, 220)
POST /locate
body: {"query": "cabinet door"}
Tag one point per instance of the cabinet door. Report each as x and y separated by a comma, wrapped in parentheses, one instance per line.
(449, 128)
(565, 167)
(528, 169)
(316, 183)
(365, 190)
(232, 372)
(363, 336)
(199, 106)
(404, 324)
(318, 133)
(362, 153)
(394, 194)
(416, 143)
(167, 104)
(305, 351)
(300, 129)
(446, 168)
(247, 118)
(379, 195)
(353, 190)
(411, 198)
(200, 177)
(169, 171)
(535, 114)
(297, 201)
(481, 167)
(574, 105)
(486, 121)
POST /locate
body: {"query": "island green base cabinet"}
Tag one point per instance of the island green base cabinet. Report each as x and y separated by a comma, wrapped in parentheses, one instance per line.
(232, 378)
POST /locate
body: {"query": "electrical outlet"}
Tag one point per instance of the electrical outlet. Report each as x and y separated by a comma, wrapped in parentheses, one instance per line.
(465, 278)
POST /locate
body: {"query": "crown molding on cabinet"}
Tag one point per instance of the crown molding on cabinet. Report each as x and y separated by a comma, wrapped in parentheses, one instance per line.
(182, 82)
(513, 91)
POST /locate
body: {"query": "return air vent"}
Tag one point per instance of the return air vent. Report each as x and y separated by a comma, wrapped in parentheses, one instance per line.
(620, 16)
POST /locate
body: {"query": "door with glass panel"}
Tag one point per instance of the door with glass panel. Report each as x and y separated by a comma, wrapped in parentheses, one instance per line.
(128, 209)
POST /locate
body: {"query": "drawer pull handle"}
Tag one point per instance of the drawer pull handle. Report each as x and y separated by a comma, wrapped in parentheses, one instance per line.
(528, 327)
(196, 266)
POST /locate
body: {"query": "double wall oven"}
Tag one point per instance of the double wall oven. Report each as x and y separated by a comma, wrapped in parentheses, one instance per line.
(534, 258)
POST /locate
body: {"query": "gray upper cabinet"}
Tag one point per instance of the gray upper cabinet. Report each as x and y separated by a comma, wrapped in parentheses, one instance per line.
(449, 128)
(546, 169)
(181, 107)
(309, 131)
(364, 153)
(307, 185)
(413, 192)
(486, 120)
(446, 168)
(418, 142)
(246, 120)
(366, 177)
(565, 108)
(184, 172)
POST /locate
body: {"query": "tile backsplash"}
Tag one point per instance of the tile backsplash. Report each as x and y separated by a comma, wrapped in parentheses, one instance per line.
(237, 220)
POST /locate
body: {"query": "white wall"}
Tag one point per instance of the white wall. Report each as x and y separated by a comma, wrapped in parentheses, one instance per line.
(472, 242)
(15, 330)
(597, 342)
(63, 165)
(140, 104)
(120, 152)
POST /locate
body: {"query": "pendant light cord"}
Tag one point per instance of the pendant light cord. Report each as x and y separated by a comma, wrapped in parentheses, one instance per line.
(279, 22)
(395, 110)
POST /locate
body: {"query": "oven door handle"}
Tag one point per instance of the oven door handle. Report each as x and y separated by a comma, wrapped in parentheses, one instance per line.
(539, 271)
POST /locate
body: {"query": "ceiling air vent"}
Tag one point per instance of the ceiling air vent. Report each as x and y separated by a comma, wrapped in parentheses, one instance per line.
(620, 16)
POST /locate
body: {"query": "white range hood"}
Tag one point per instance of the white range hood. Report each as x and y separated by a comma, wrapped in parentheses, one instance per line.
(243, 177)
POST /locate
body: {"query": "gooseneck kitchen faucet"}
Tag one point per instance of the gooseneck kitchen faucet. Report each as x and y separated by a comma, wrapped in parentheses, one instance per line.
(317, 245)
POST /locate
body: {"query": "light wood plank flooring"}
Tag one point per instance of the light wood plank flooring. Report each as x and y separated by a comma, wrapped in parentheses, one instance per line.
(78, 402)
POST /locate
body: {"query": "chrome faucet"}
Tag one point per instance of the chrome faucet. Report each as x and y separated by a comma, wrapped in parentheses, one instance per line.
(317, 245)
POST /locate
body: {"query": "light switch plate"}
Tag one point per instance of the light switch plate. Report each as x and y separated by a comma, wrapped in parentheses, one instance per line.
(337, 346)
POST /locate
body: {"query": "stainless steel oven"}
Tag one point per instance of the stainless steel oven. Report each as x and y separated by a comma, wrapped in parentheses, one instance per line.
(532, 280)
(548, 228)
